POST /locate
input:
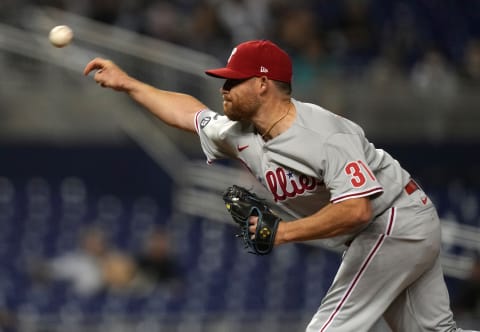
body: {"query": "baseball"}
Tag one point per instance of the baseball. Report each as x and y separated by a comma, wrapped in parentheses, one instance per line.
(60, 36)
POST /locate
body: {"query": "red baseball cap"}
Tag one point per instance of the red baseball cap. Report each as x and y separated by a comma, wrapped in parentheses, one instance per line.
(256, 58)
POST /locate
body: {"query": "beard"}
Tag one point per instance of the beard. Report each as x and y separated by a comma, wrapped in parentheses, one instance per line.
(237, 110)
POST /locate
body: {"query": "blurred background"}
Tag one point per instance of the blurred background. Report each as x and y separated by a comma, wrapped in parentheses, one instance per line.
(111, 221)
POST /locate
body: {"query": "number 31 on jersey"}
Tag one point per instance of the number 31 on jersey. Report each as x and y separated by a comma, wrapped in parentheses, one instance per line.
(357, 170)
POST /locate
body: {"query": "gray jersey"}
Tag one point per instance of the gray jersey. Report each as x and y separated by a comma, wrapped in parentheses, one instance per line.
(321, 158)
(393, 262)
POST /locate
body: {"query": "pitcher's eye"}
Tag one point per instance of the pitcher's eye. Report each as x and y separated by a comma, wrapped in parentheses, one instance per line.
(231, 83)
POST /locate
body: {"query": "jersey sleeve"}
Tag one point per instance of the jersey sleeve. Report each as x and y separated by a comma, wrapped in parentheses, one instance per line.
(211, 128)
(347, 172)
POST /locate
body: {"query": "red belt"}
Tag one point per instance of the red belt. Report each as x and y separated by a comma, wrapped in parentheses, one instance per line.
(411, 187)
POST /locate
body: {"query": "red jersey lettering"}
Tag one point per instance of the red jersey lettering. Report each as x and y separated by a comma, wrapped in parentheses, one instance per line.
(285, 185)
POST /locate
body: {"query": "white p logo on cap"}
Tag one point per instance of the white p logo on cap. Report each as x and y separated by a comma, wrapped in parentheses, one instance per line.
(233, 52)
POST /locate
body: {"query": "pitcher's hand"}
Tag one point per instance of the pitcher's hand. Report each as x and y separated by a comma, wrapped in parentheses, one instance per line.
(108, 74)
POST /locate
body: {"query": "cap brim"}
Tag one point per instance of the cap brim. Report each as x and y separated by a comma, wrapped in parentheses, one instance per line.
(227, 73)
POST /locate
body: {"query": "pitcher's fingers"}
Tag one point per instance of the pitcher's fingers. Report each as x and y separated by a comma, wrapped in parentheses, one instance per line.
(253, 220)
(95, 64)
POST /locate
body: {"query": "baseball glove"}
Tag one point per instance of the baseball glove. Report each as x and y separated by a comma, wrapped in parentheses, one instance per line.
(241, 204)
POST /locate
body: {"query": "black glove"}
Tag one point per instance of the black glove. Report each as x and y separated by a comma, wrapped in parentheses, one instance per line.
(242, 204)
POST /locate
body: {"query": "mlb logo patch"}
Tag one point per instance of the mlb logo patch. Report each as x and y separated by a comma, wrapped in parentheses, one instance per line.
(205, 121)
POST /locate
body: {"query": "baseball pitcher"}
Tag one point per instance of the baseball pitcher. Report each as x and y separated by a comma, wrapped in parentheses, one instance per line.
(330, 182)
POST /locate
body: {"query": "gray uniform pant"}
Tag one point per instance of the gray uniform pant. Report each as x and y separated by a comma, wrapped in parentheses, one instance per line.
(391, 269)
